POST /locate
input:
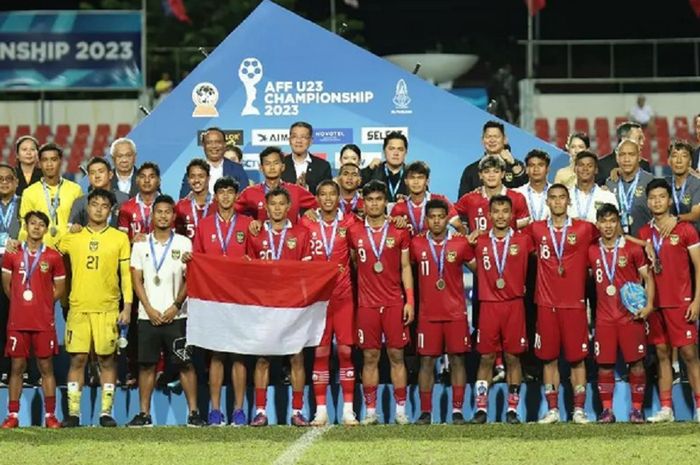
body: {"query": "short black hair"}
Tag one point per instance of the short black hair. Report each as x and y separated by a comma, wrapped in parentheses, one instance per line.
(98, 161)
(418, 167)
(50, 147)
(207, 131)
(148, 165)
(5, 165)
(536, 153)
(235, 149)
(267, 151)
(605, 210)
(579, 135)
(345, 165)
(38, 214)
(659, 183)
(328, 182)
(493, 124)
(302, 124)
(559, 185)
(500, 199)
(436, 204)
(586, 154)
(105, 194)
(278, 191)
(623, 129)
(374, 185)
(199, 163)
(226, 182)
(164, 198)
(395, 135)
(352, 147)
(681, 145)
(492, 161)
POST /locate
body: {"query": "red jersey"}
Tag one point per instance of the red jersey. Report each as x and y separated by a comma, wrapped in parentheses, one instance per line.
(251, 202)
(38, 313)
(187, 217)
(206, 238)
(379, 289)
(518, 252)
(449, 303)
(341, 248)
(630, 261)
(355, 205)
(673, 284)
(567, 290)
(296, 244)
(406, 208)
(135, 217)
(474, 206)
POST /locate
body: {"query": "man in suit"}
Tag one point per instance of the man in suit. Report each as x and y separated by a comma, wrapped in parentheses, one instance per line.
(696, 153)
(391, 170)
(300, 167)
(214, 143)
(123, 153)
(626, 130)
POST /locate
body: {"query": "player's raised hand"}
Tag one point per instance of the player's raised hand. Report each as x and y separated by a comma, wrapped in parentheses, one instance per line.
(399, 221)
(312, 215)
(651, 253)
(75, 228)
(693, 311)
(666, 225)
(408, 313)
(254, 227)
(11, 246)
(645, 312)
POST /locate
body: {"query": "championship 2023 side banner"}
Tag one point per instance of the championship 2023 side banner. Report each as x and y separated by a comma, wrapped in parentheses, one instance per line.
(54, 50)
(257, 307)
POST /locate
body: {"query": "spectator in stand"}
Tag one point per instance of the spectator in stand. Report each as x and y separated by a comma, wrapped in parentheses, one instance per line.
(576, 143)
(233, 153)
(28, 171)
(164, 86)
(696, 153)
(642, 113)
(608, 163)
(495, 143)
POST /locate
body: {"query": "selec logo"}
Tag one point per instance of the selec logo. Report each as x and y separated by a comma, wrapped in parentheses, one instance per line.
(377, 135)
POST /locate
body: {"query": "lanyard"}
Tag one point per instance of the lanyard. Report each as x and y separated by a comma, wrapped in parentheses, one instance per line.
(370, 235)
(6, 214)
(558, 247)
(195, 217)
(225, 242)
(500, 261)
(158, 263)
(627, 197)
(536, 212)
(393, 189)
(145, 220)
(583, 212)
(277, 253)
(609, 270)
(328, 246)
(439, 260)
(29, 269)
(417, 226)
(677, 199)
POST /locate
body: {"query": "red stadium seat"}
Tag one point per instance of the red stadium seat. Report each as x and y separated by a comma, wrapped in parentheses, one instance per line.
(82, 130)
(646, 149)
(680, 124)
(42, 133)
(581, 125)
(122, 130)
(22, 130)
(62, 133)
(602, 135)
(661, 123)
(561, 131)
(103, 130)
(662, 142)
(619, 120)
(99, 146)
(542, 129)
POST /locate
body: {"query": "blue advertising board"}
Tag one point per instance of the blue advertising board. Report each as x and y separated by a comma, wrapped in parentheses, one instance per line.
(63, 50)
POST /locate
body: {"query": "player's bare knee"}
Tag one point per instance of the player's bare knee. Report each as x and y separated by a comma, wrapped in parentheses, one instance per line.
(663, 353)
(45, 366)
(147, 368)
(488, 359)
(636, 368)
(689, 353)
(18, 366)
(106, 361)
(78, 361)
(297, 360)
(371, 356)
(512, 360)
(395, 356)
(427, 363)
(262, 363)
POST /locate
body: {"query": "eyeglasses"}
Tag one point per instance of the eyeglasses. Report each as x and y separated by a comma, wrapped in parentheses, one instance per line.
(7, 179)
(300, 137)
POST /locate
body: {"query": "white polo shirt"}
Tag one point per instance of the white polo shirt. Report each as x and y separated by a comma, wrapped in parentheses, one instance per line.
(171, 273)
(581, 200)
(536, 201)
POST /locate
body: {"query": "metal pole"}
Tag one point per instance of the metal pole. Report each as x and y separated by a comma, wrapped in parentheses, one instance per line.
(530, 68)
(144, 86)
(334, 27)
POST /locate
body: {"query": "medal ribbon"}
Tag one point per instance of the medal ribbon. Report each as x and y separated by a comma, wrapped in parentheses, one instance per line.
(538, 211)
(627, 197)
(158, 262)
(29, 269)
(224, 242)
(558, 247)
(277, 253)
(328, 247)
(370, 236)
(145, 220)
(6, 214)
(439, 261)
(677, 199)
(500, 261)
(583, 212)
(52, 203)
(195, 217)
(609, 270)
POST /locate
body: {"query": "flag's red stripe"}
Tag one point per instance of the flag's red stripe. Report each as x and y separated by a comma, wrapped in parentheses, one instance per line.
(264, 283)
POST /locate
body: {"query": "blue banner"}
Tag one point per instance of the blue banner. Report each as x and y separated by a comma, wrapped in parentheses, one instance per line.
(256, 88)
(71, 49)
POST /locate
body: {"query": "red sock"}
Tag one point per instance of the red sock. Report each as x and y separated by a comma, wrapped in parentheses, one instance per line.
(347, 373)
(666, 399)
(579, 396)
(697, 400)
(260, 398)
(499, 359)
(552, 396)
(50, 405)
(513, 397)
(606, 386)
(457, 397)
(370, 396)
(637, 385)
(426, 401)
(297, 400)
(400, 395)
(13, 406)
(320, 375)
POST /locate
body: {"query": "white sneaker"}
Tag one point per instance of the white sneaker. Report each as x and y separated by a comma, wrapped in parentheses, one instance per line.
(320, 419)
(349, 418)
(401, 418)
(580, 417)
(552, 416)
(665, 415)
(697, 415)
(371, 419)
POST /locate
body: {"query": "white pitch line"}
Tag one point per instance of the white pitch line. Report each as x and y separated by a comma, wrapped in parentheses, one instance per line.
(298, 447)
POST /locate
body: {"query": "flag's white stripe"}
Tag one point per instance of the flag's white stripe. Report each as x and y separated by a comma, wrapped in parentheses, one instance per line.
(253, 329)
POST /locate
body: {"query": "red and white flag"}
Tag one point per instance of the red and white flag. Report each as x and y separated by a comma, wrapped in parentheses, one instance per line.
(257, 307)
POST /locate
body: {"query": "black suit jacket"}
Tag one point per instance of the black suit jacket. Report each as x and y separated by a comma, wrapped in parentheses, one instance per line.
(318, 170)
(22, 183)
(695, 157)
(133, 190)
(609, 163)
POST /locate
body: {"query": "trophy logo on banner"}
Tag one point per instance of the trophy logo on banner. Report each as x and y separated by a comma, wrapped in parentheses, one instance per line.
(401, 99)
(204, 96)
(250, 73)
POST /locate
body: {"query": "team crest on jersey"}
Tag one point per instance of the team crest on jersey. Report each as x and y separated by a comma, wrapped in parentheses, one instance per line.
(292, 243)
(175, 254)
(597, 205)
(571, 238)
(674, 238)
(451, 256)
(93, 246)
(342, 232)
(686, 199)
(390, 242)
(44, 266)
(509, 177)
(514, 249)
(240, 237)
(639, 191)
(622, 262)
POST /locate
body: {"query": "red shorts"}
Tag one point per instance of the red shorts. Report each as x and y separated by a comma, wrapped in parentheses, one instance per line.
(629, 336)
(443, 337)
(559, 328)
(501, 327)
(375, 324)
(669, 326)
(21, 344)
(340, 320)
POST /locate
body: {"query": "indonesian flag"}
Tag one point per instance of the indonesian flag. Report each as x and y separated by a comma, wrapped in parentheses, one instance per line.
(177, 9)
(257, 307)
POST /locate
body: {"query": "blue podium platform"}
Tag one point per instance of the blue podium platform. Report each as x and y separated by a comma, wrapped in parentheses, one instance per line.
(171, 409)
